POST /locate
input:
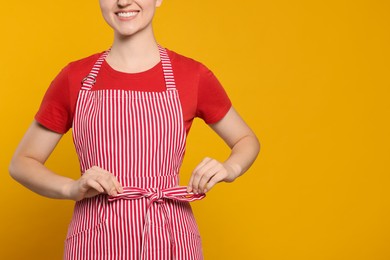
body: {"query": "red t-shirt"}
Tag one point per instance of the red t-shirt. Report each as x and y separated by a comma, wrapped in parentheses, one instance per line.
(201, 94)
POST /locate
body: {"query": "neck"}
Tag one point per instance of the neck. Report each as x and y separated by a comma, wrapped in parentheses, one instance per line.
(134, 53)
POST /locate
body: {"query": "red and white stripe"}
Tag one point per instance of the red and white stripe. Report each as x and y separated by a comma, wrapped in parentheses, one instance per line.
(140, 138)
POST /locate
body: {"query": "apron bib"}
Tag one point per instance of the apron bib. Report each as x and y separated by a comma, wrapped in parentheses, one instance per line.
(140, 138)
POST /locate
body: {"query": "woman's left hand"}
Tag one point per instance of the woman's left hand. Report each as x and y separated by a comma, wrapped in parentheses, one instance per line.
(208, 173)
(244, 149)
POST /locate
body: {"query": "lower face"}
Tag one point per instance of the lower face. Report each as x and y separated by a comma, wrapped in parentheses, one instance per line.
(129, 17)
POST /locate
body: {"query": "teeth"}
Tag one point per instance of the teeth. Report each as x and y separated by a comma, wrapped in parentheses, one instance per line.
(127, 14)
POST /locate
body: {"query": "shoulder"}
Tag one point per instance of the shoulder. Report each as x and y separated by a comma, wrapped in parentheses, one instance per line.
(181, 59)
(90, 60)
(80, 68)
(182, 62)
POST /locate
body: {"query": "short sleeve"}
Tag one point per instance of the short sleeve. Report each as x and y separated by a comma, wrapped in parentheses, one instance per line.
(213, 101)
(54, 112)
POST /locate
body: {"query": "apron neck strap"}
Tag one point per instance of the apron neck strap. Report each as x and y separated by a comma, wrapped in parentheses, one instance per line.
(167, 69)
(90, 79)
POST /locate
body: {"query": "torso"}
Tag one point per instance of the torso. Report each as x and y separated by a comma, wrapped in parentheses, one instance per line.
(140, 138)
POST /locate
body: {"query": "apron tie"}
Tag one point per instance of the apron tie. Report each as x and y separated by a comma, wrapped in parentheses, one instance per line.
(155, 195)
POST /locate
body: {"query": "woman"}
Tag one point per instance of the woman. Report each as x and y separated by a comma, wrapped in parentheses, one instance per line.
(130, 116)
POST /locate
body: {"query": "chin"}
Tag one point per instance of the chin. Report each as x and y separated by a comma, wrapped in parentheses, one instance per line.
(128, 32)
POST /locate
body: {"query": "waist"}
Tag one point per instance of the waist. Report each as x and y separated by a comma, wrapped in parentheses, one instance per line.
(147, 182)
(157, 195)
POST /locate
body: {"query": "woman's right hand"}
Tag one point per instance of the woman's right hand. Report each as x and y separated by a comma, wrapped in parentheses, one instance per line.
(27, 167)
(93, 182)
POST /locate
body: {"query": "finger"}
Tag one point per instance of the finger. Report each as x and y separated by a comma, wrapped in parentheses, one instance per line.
(207, 176)
(114, 184)
(198, 175)
(109, 184)
(214, 180)
(201, 164)
(91, 183)
(107, 180)
(118, 186)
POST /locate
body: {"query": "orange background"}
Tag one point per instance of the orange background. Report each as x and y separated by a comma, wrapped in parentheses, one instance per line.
(310, 77)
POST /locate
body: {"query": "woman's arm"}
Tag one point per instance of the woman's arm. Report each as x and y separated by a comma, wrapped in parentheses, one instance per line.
(244, 150)
(27, 167)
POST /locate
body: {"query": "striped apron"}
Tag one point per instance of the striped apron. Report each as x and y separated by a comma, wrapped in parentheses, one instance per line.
(140, 138)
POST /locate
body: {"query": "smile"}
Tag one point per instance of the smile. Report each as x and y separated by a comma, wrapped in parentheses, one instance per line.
(127, 14)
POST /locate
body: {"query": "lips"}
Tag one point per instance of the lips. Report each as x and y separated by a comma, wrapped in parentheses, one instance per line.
(127, 14)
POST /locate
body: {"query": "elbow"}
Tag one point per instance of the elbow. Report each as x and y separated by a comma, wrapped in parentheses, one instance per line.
(250, 142)
(256, 144)
(12, 168)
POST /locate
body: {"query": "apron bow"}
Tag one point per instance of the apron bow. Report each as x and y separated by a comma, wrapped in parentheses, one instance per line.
(157, 195)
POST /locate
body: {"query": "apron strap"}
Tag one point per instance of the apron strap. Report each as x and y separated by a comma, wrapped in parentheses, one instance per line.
(90, 79)
(167, 69)
(157, 195)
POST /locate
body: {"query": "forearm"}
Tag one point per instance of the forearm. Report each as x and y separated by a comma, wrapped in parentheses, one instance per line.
(210, 171)
(242, 156)
(36, 177)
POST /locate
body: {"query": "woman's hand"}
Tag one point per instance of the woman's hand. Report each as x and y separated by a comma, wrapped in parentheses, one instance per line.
(244, 147)
(93, 182)
(209, 172)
